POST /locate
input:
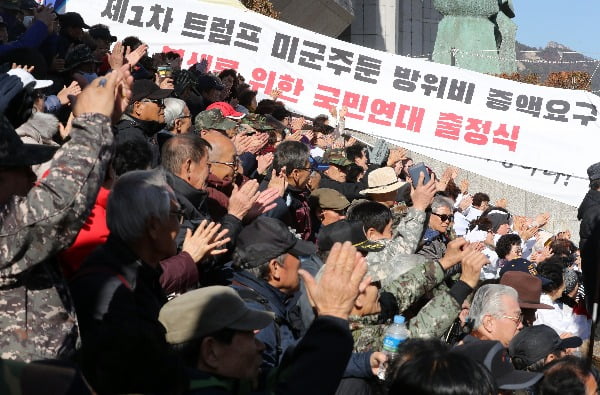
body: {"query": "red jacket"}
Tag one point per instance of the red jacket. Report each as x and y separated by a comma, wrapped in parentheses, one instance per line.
(93, 233)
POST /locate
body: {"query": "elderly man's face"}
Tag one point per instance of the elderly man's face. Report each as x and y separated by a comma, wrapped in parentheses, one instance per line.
(441, 219)
(242, 358)
(199, 172)
(286, 277)
(150, 110)
(504, 327)
(15, 181)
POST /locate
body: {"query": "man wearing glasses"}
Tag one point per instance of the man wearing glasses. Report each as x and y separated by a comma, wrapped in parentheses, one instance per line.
(436, 238)
(144, 117)
(495, 314)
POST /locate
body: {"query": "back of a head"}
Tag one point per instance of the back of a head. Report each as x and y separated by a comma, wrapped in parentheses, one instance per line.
(565, 376)
(136, 197)
(432, 369)
(552, 269)
(371, 214)
(479, 198)
(180, 148)
(132, 155)
(291, 154)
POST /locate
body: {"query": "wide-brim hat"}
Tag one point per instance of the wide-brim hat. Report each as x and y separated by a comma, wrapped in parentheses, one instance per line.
(528, 287)
(14, 153)
(383, 180)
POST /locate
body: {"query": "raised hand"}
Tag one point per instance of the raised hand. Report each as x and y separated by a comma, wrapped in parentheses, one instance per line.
(205, 239)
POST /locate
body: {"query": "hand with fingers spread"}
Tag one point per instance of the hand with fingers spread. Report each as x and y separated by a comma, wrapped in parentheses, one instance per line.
(206, 239)
(45, 15)
(72, 90)
(27, 68)
(108, 95)
(472, 262)
(528, 233)
(297, 123)
(133, 57)
(242, 198)
(294, 137)
(265, 202)
(279, 182)
(464, 186)
(342, 281)
(117, 56)
(396, 155)
(422, 195)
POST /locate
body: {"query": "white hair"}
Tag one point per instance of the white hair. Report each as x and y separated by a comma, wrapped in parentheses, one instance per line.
(488, 301)
(173, 111)
(441, 201)
(136, 197)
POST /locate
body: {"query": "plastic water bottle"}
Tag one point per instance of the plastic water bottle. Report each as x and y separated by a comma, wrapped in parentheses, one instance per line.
(395, 334)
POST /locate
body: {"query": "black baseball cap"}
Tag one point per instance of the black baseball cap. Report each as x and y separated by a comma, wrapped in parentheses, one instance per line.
(344, 230)
(495, 358)
(146, 89)
(523, 265)
(533, 343)
(267, 238)
(72, 19)
(101, 32)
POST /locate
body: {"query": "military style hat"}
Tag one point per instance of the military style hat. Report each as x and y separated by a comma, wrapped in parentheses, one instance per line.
(207, 310)
(257, 122)
(344, 230)
(213, 119)
(79, 54)
(336, 156)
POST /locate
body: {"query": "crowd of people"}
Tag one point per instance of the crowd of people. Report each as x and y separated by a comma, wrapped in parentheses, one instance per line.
(166, 230)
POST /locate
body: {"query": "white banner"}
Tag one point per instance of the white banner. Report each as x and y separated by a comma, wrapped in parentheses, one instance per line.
(405, 100)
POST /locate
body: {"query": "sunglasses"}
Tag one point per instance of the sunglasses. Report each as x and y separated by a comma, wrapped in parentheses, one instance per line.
(158, 102)
(444, 217)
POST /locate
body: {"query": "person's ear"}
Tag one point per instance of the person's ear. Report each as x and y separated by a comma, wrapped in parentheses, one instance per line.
(371, 233)
(137, 107)
(177, 126)
(358, 303)
(274, 270)
(209, 353)
(154, 228)
(488, 323)
(186, 169)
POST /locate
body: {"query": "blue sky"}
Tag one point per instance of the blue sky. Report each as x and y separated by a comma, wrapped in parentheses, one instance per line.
(574, 23)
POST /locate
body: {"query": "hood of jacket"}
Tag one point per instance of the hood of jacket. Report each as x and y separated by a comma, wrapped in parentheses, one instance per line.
(39, 129)
(592, 198)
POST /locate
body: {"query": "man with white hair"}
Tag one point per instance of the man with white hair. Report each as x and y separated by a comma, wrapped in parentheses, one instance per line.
(177, 116)
(436, 237)
(117, 293)
(495, 314)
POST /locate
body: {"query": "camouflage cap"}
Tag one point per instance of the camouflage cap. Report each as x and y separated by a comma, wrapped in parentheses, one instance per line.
(257, 122)
(336, 156)
(213, 119)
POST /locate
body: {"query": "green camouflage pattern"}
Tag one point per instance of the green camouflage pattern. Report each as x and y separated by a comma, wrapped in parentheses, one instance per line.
(37, 318)
(431, 321)
(336, 156)
(257, 122)
(213, 119)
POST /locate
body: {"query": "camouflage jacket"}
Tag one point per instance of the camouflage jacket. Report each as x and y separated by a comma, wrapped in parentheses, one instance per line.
(408, 278)
(407, 233)
(37, 319)
(367, 333)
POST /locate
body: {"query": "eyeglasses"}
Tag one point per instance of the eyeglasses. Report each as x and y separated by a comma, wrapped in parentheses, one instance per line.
(233, 165)
(444, 217)
(158, 102)
(516, 320)
(179, 213)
